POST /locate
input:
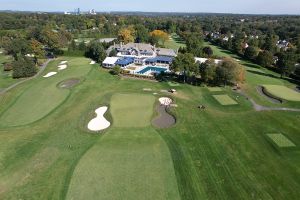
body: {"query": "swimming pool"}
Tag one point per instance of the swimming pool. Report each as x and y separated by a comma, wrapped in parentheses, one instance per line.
(156, 70)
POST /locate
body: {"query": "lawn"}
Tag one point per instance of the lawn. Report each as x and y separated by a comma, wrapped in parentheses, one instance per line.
(225, 100)
(132, 110)
(217, 153)
(283, 92)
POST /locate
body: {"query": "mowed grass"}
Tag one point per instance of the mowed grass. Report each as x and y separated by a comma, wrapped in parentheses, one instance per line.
(214, 89)
(283, 92)
(225, 100)
(280, 140)
(132, 110)
(256, 76)
(42, 97)
(218, 153)
(128, 164)
(175, 42)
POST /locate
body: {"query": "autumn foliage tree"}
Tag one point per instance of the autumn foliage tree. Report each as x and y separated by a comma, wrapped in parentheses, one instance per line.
(126, 35)
(160, 36)
(36, 48)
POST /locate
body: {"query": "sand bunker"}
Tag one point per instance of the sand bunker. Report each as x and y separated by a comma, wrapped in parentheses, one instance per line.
(164, 120)
(62, 67)
(63, 62)
(165, 101)
(50, 74)
(92, 62)
(99, 123)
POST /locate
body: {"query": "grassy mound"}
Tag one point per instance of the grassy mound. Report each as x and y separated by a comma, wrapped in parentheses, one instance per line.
(225, 100)
(132, 110)
(283, 92)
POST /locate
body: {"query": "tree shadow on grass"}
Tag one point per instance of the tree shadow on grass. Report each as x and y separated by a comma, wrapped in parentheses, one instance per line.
(263, 74)
(252, 65)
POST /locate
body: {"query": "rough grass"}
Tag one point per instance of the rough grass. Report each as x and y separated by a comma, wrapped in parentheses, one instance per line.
(173, 84)
(126, 164)
(283, 92)
(5, 77)
(132, 110)
(225, 100)
(280, 140)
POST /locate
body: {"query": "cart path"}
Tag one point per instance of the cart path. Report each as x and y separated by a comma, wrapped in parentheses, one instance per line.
(42, 68)
(258, 107)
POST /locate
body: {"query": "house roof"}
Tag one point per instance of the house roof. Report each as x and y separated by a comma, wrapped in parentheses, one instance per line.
(142, 47)
(165, 52)
(125, 61)
(160, 58)
(110, 60)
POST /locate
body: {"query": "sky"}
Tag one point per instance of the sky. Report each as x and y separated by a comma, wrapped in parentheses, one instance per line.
(213, 6)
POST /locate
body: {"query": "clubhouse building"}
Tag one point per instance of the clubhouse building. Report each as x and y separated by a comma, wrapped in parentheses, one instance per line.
(140, 58)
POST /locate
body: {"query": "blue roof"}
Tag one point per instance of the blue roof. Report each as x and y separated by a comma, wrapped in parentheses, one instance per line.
(125, 61)
(160, 59)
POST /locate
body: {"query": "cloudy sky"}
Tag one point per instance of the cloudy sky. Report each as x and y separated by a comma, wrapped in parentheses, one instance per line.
(219, 6)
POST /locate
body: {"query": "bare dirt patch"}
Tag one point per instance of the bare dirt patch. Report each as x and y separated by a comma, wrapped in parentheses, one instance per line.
(67, 84)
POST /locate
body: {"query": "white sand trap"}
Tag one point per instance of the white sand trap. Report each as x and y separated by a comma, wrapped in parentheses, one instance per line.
(50, 74)
(99, 123)
(63, 62)
(165, 101)
(92, 62)
(62, 67)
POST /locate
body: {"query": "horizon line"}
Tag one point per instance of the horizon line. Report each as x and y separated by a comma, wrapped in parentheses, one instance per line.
(170, 12)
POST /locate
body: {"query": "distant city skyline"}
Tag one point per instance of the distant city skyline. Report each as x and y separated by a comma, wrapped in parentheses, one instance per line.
(212, 6)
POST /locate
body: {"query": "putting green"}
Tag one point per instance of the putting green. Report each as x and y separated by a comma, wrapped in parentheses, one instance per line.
(125, 164)
(280, 140)
(214, 89)
(225, 100)
(283, 92)
(44, 96)
(132, 110)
